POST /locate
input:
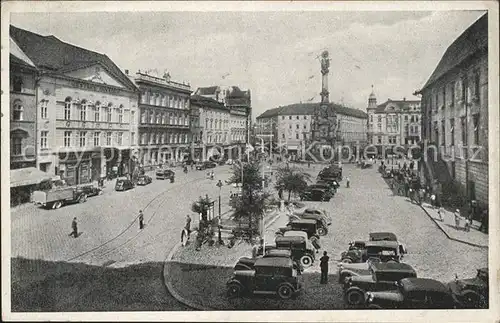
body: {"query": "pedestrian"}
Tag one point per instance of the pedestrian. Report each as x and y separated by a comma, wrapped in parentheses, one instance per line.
(468, 223)
(484, 221)
(324, 268)
(347, 182)
(188, 224)
(141, 220)
(74, 227)
(457, 218)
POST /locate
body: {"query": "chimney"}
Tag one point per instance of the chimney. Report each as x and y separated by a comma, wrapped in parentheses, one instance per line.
(126, 72)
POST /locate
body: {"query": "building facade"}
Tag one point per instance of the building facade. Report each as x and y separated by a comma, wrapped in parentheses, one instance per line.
(85, 109)
(164, 122)
(394, 122)
(455, 114)
(291, 125)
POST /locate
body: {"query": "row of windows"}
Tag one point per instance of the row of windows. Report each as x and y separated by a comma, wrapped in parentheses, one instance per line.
(296, 117)
(449, 92)
(158, 99)
(440, 136)
(297, 136)
(87, 111)
(88, 138)
(164, 118)
(164, 138)
(216, 124)
(413, 118)
(297, 126)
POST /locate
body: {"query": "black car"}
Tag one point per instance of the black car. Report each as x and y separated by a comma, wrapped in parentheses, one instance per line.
(123, 184)
(314, 193)
(471, 292)
(309, 226)
(209, 164)
(91, 190)
(382, 277)
(413, 293)
(165, 174)
(200, 166)
(144, 180)
(274, 275)
(249, 263)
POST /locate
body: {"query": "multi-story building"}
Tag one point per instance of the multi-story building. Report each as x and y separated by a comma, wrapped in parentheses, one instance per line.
(85, 111)
(240, 107)
(394, 122)
(455, 114)
(291, 125)
(214, 123)
(164, 126)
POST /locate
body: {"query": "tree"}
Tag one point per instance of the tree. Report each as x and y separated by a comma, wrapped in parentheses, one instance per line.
(253, 201)
(292, 180)
(205, 229)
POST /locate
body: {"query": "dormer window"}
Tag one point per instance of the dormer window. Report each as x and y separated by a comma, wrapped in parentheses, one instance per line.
(17, 84)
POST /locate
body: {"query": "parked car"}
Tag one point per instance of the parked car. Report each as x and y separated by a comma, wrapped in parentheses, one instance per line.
(91, 190)
(346, 270)
(413, 293)
(248, 263)
(144, 180)
(312, 193)
(302, 249)
(123, 184)
(471, 292)
(383, 250)
(322, 219)
(165, 174)
(200, 166)
(333, 184)
(314, 240)
(382, 277)
(307, 225)
(210, 164)
(274, 275)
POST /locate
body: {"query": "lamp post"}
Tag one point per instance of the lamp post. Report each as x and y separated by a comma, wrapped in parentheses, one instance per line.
(219, 222)
(219, 185)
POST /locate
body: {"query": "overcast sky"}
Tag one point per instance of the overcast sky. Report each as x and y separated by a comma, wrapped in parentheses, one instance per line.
(271, 53)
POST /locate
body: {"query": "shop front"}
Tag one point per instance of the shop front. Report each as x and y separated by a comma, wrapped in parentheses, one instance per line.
(79, 167)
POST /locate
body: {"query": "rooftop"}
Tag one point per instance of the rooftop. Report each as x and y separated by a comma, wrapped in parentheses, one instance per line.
(205, 101)
(308, 109)
(471, 41)
(401, 105)
(51, 54)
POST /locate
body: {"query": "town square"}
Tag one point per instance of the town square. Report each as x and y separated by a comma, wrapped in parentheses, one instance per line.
(236, 161)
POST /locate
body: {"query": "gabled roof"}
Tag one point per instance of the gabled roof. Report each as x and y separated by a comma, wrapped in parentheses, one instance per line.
(309, 108)
(203, 100)
(18, 61)
(50, 54)
(402, 105)
(472, 40)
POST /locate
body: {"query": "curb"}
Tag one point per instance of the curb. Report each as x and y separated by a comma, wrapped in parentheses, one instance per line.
(169, 286)
(450, 237)
(171, 289)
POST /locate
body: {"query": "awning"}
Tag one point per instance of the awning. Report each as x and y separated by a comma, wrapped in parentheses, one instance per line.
(27, 176)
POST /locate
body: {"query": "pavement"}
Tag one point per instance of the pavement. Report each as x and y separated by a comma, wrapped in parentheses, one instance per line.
(367, 206)
(447, 225)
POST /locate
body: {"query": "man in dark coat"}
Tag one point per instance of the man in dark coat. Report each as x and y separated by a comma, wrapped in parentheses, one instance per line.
(141, 220)
(74, 227)
(324, 268)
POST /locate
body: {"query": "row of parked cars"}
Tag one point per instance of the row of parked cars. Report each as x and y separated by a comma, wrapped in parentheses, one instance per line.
(326, 185)
(277, 268)
(373, 275)
(124, 184)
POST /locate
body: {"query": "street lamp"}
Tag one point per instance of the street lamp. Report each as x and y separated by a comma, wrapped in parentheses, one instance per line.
(219, 185)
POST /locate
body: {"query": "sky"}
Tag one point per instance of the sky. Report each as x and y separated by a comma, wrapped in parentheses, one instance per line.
(274, 54)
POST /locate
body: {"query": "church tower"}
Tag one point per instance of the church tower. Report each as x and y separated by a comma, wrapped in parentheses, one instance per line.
(372, 100)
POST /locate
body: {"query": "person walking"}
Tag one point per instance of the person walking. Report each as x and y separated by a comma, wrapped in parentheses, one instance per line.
(457, 218)
(141, 220)
(347, 182)
(188, 224)
(74, 227)
(324, 268)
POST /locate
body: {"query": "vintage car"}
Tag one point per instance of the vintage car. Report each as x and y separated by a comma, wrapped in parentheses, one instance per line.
(91, 190)
(123, 184)
(165, 174)
(383, 250)
(272, 275)
(314, 240)
(302, 250)
(144, 180)
(200, 166)
(412, 293)
(307, 225)
(334, 185)
(248, 263)
(471, 292)
(322, 220)
(357, 251)
(210, 164)
(346, 270)
(382, 277)
(312, 193)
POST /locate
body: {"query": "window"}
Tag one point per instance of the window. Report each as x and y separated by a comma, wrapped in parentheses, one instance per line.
(108, 138)
(120, 114)
(298, 126)
(436, 132)
(452, 94)
(443, 133)
(444, 97)
(97, 136)
(305, 126)
(416, 118)
(83, 110)
(283, 136)
(67, 139)
(371, 118)
(17, 84)
(97, 112)
(109, 113)
(83, 137)
(452, 132)
(158, 117)
(477, 84)
(379, 139)
(412, 119)
(464, 88)
(43, 139)
(120, 138)
(18, 111)
(379, 119)
(462, 128)
(132, 117)
(436, 103)
(163, 118)
(17, 145)
(290, 117)
(406, 118)
(67, 109)
(43, 109)
(282, 117)
(305, 117)
(151, 116)
(132, 138)
(289, 126)
(297, 117)
(475, 120)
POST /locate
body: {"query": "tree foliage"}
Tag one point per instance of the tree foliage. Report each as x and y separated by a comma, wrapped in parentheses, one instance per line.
(292, 180)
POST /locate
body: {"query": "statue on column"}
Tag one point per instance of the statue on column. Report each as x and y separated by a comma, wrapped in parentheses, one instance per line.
(325, 63)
